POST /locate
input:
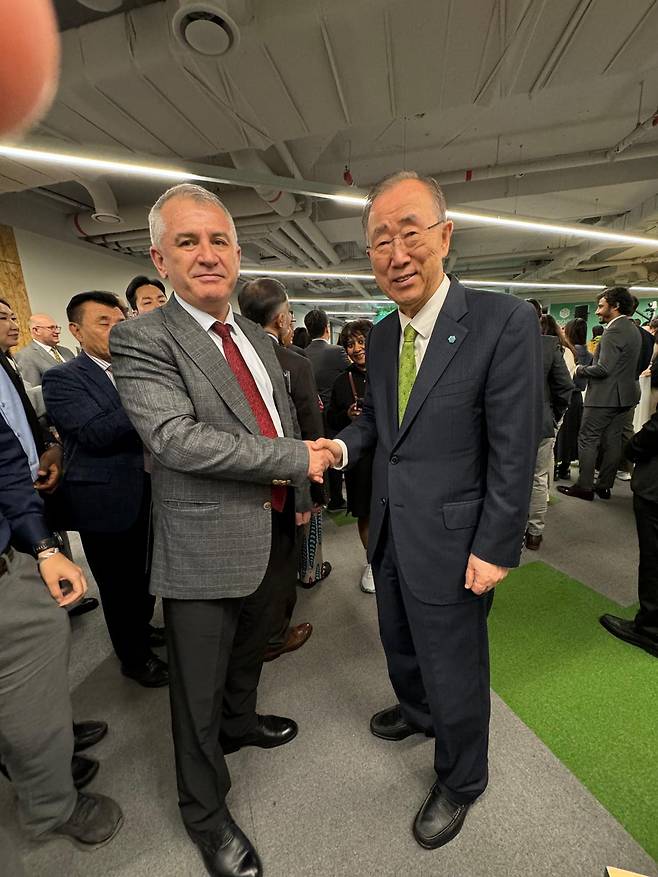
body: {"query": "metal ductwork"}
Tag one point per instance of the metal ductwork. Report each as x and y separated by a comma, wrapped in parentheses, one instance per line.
(102, 5)
(282, 202)
(105, 211)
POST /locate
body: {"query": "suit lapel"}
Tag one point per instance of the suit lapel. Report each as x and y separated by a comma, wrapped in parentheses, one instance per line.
(447, 337)
(101, 380)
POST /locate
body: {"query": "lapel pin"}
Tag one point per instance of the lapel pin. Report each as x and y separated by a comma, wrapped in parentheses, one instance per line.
(451, 339)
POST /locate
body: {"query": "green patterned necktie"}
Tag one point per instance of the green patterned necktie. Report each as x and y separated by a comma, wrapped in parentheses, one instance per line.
(407, 370)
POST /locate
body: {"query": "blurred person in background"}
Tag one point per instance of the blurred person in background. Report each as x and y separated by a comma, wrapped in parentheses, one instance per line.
(566, 447)
(593, 343)
(44, 350)
(301, 338)
(145, 294)
(345, 405)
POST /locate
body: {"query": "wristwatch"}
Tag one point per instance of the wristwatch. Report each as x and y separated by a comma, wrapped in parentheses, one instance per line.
(53, 541)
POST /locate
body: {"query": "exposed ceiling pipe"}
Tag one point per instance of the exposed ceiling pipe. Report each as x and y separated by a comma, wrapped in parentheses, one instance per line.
(289, 246)
(314, 234)
(282, 202)
(635, 134)
(292, 232)
(557, 163)
(105, 209)
(101, 5)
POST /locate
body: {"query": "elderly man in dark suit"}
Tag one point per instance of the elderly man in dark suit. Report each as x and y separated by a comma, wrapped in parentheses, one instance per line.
(44, 350)
(206, 392)
(613, 390)
(453, 411)
(106, 492)
(329, 361)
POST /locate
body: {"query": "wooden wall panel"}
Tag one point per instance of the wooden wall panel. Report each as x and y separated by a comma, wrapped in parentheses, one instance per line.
(12, 282)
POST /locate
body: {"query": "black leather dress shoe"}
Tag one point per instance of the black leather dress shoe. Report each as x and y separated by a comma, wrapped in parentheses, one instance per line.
(270, 731)
(157, 637)
(152, 674)
(439, 820)
(603, 492)
(87, 604)
(227, 851)
(86, 734)
(574, 490)
(83, 770)
(390, 724)
(626, 630)
(533, 541)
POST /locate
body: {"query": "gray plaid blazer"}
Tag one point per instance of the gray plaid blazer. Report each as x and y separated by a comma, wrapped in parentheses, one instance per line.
(212, 470)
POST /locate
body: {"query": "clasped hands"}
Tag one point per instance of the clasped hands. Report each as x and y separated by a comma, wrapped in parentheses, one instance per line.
(322, 454)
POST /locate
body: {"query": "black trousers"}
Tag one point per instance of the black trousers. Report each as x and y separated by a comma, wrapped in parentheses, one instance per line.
(600, 428)
(438, 664)
(285, 598)
(646, 519)
(215, 650)
(120, 563)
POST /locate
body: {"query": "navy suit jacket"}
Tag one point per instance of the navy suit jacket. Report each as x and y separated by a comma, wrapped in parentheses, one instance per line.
(21, 508)
(104, 477)
(455, 476)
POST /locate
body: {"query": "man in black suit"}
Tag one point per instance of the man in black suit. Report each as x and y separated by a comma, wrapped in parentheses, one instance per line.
(613, 390)
(558, 387)
(453, 412)
(265, 301)
(329, 361)
(642, 631)
(106, 492)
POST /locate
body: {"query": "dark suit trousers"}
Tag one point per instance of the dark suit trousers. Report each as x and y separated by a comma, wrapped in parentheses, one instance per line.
(215, 650)
(120, 564)
(285, 598)
(646, 519)
(600, 426)
(438, 663)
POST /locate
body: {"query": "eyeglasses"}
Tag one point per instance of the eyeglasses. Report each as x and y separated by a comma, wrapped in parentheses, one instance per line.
(50, 328)
(410, 240)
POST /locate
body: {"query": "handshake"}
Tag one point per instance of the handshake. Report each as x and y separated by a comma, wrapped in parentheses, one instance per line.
(322, 454)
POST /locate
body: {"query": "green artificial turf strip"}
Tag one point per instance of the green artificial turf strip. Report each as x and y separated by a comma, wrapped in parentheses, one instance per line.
(591, 698)
(340, 518)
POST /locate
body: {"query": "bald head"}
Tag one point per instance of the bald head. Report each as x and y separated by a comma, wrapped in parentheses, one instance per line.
(44, 329)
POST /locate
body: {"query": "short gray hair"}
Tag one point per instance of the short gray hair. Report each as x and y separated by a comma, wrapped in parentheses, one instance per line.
(183, 190)
(392, 180)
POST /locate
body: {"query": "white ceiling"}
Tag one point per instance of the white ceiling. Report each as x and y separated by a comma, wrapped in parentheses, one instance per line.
(442, 87)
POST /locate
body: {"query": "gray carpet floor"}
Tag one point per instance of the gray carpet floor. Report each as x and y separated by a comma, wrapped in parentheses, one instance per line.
(336, 801)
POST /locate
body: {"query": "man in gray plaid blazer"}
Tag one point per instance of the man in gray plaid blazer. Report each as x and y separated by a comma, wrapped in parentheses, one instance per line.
(207, 395)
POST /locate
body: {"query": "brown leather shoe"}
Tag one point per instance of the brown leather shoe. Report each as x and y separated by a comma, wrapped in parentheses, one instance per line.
(575, 490)
(533, 541)
(296, 638)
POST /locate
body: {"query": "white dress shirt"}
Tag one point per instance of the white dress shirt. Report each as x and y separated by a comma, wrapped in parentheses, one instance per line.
(48, 349)
(251, 358)
(423, 322)
(104, 365)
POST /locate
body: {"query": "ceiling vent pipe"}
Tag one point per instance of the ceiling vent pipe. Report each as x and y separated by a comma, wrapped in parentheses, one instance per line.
(282, 202)
(209, 27)
(105, 210)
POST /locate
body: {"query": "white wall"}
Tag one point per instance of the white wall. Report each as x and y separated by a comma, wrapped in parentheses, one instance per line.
(54, 271)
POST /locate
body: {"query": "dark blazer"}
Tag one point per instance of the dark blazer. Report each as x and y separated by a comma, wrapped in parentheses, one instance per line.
(21, 509)
(342, 397)
(298, 373)
(104, 478)
(329, 360)
(455, 476)
(646, 351)
(558, 385)
(642, 450)
(613, 378)
(33, 361)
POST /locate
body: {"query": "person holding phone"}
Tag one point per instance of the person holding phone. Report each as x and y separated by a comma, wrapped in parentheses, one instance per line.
(345, 406)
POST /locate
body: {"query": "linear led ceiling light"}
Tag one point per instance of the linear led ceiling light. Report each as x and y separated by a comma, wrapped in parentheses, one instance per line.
(303, 187)
(361, 302)
(315, 275)
(579, 231)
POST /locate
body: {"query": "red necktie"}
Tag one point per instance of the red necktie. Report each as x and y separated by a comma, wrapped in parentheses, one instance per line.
(252, 394)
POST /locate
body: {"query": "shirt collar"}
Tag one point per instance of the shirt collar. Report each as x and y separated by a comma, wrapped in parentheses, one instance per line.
(46, 347)
(102, 363)
(423, 322)
(204, 319)
(614, 320)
